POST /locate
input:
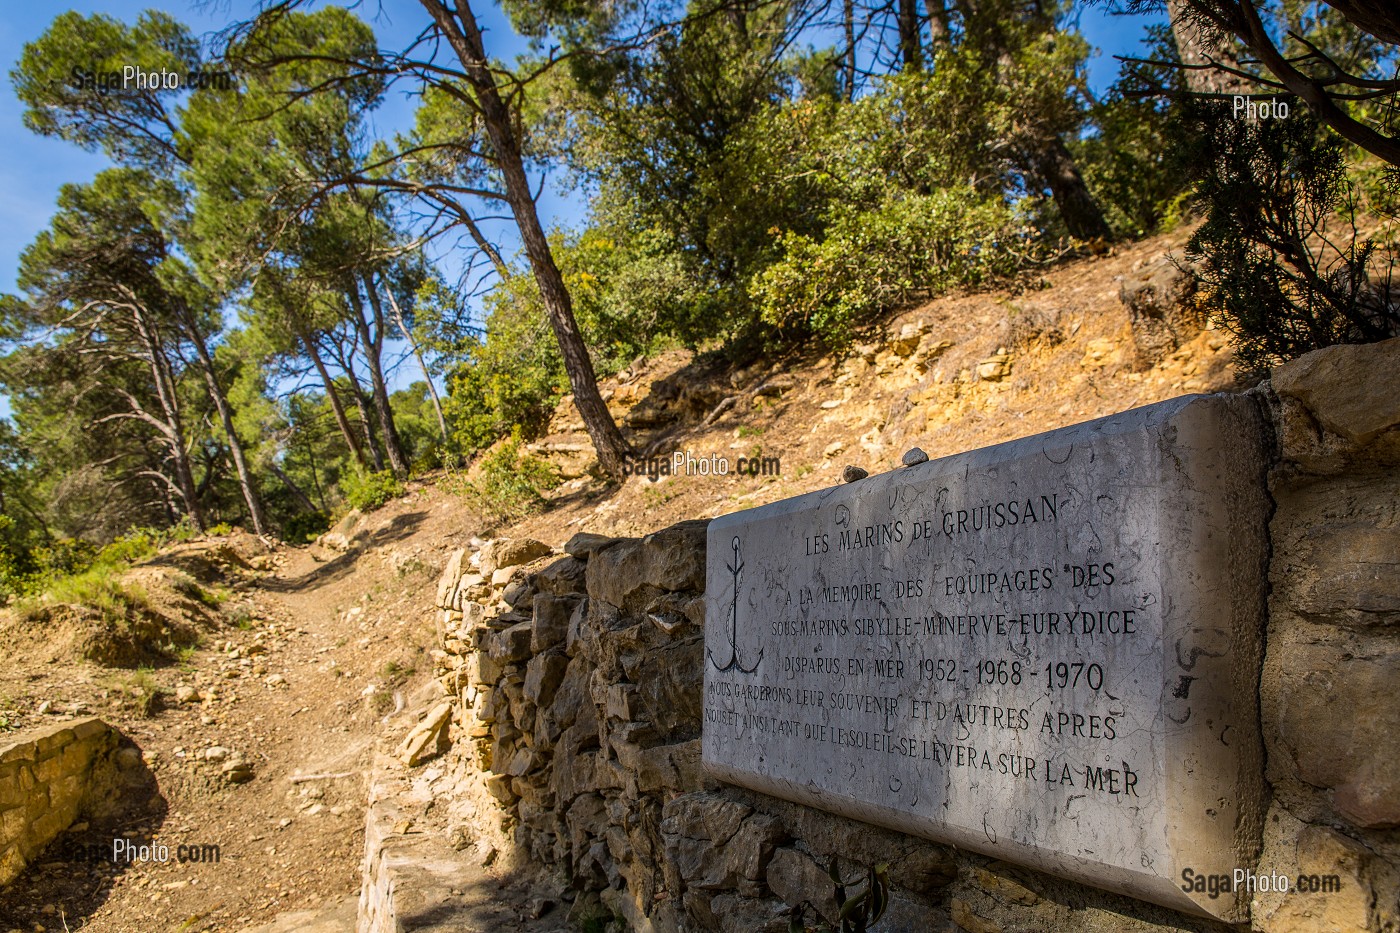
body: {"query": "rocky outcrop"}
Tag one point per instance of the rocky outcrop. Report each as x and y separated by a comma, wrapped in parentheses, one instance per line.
(1161, 302)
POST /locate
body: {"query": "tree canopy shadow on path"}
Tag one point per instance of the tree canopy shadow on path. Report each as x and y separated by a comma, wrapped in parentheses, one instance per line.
(341, 566)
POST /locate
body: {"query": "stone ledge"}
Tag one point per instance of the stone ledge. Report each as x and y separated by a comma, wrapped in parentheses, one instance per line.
(47, 777)
(411, 876)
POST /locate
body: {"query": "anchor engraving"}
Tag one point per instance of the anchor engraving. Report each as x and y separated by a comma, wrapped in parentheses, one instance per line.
(736, 569)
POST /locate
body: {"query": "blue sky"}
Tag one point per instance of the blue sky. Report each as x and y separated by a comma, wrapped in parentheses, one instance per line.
(33, 168)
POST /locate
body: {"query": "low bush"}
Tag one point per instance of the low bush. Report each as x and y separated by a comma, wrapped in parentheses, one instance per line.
(98, 588)
(305, 526)
(509, 485)
(871, 261)
(368, 490)
(1284, 262)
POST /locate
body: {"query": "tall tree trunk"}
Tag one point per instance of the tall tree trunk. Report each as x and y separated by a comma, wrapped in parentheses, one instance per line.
(347, 365)
(374, 344)
(341, 421)
(1199, 48)
(939, 31)
(422, 363)
(911, 53)
(1055, 166)
(848, 20)
(376, 450)
(315, 474)
(172, 428)
(1046, 158)
(301, 497)
(465, 40)
(216, 392)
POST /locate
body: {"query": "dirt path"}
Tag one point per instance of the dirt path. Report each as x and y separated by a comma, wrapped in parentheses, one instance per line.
(306, 677)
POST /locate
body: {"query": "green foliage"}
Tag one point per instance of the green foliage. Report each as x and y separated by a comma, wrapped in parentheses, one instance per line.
(97, 588)
(1133, 161)
(395, 673)
(139, 691)
(748, 195)
(75, 570)
(511, 377)
(742, 193)
(1284, 265)
(871, 261)
(509, 485)
(367, 490)
(190, 588)
(856, 912)
(128, 124)
(305, 526)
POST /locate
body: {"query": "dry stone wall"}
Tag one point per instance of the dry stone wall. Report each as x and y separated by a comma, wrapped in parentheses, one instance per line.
(48, 777)
(1330, 690)
(577, 685)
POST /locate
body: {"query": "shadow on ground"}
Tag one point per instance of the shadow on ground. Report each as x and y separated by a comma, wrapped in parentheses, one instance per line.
(341, 566)
(69, 881)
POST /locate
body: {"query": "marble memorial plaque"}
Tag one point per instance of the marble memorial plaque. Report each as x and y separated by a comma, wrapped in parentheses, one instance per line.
(1046, 651)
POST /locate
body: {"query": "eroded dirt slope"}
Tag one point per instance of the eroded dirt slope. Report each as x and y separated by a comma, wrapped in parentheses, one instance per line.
(954, 374)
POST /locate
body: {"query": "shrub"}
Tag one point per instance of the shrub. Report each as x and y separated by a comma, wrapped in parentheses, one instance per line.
(872, 261)
(71, 570)
(305, 526)
(368, 490)
(1284, 265)
(509, 486)
(97, 588)
(16, 576)
(139, 691)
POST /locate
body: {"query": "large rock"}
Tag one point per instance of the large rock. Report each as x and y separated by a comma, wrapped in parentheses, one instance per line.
(994, 368)
(1348, 389)
(566, 576)
(662, 769)
(617, 573)
(551, 621)
(511, 645)
(704, 816)
(1352, 570)
(1355, 754)
(797, 878)
(585, 544)
(504, 553)
(674, 558)
(631, 573)
(1295, 850)
(717, 844)
(428, 738)
(1161, 303)
(451, 579)
(671, 698)
(543, 675)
